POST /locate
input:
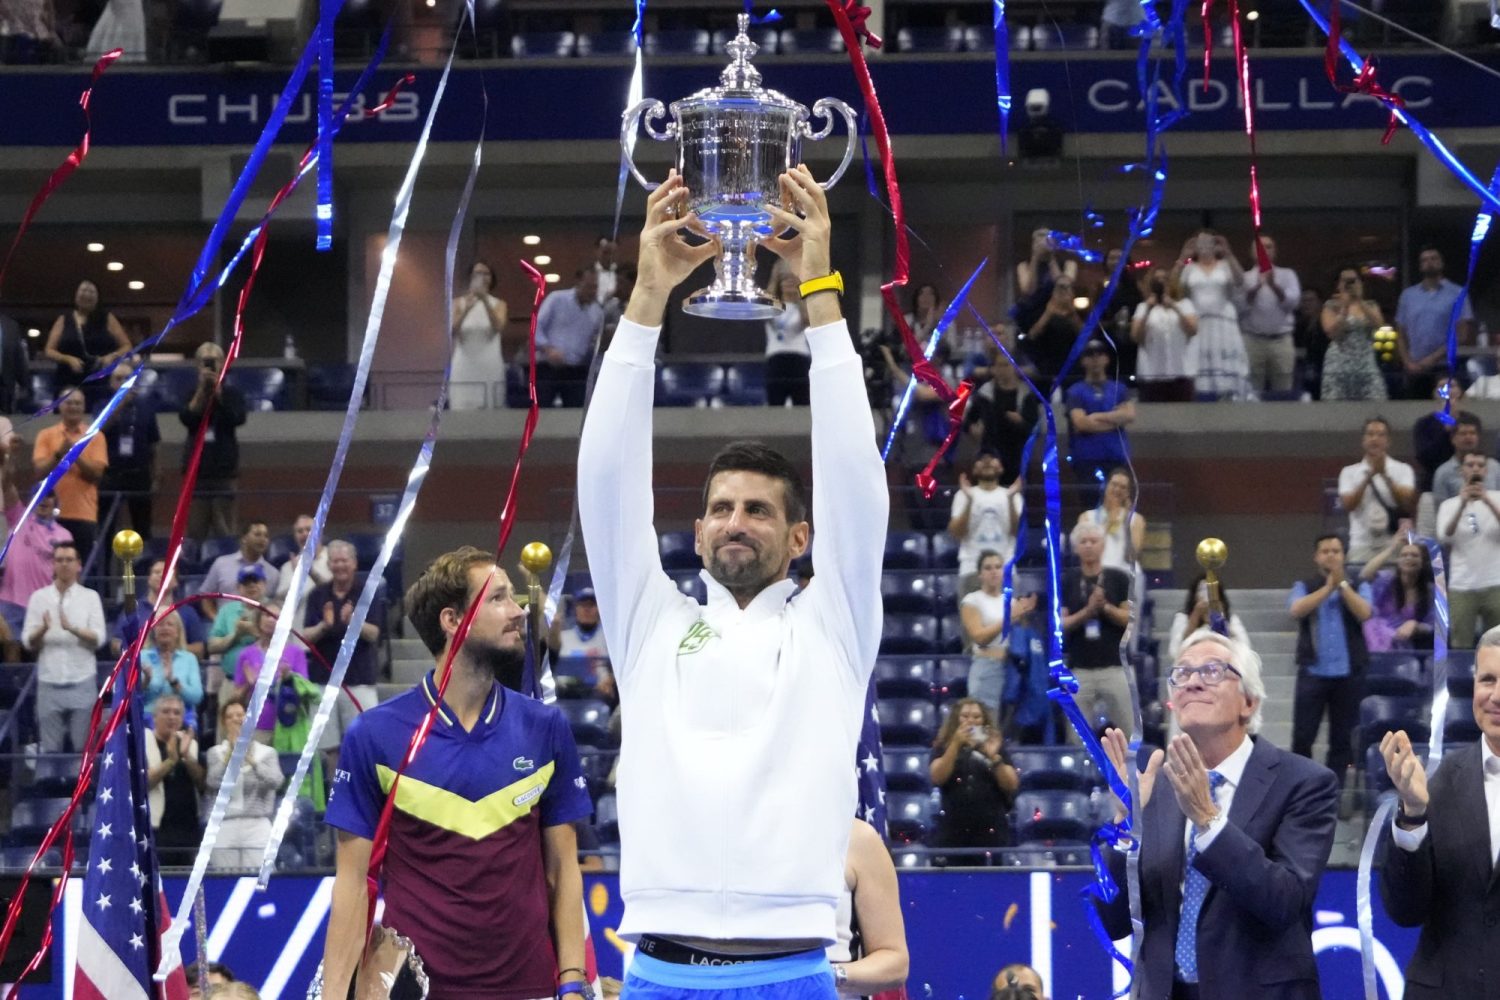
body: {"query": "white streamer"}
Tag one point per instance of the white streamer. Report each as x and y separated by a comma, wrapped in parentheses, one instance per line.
(170, 941)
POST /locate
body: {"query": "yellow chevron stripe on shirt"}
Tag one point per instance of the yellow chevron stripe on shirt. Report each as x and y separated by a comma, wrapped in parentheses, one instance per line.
(456, 814)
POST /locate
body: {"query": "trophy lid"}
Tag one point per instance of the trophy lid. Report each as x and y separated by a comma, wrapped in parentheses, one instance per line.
(739, 83)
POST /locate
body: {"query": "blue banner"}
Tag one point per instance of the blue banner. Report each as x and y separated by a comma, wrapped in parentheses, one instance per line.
(572, 99)
(961, 927)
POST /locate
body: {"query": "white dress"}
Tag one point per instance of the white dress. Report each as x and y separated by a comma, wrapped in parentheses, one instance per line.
(478, 369)
(1217, 353)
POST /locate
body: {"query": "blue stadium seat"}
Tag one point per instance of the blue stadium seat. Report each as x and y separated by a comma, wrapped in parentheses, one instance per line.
(745, 384)
(909, 634)
(54, 777)
(1461, 663)
(951, 635)
(1053, 816)
(906, 769)
(952, 677)
(1459, 726)
(260, 386)
(906, 677)
(1045, 37)
(678, 552)
(1479, 365)
(908, 593)
(606, 43)
(607, 819)
(683, 42)
(175, 385)
(906, 550)
(212, 548)
(543, 44)
(1461, 687)
(1055, 768)
(812, 42)
(910, 816)
(1398, 673)
(688, 384)
(589, 720)
(947, 594)
(949, 39)
(1380, 714)
(329, 386)
(692, 585)
(907, 720)
(944, 552)
(30, 819)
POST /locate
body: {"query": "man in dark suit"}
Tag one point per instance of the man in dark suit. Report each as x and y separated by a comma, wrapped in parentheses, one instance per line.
(1440, 869)
(15, 367)
(1233, 850)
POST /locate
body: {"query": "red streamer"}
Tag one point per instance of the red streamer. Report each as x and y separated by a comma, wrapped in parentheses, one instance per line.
(65, 169)
(1364, 81)
(390, 97)
(1242, 77)
(921, 368)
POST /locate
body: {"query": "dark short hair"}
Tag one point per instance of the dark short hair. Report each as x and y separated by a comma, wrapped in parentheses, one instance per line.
(1377, 419)
(250, 526)
(67, 545)
(444, 584)
(753, 456)
(988, 554)
(1467, 419)
(585, 269)
(1318, 542)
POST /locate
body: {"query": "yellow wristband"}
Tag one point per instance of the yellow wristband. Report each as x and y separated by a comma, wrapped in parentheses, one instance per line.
(833, 282)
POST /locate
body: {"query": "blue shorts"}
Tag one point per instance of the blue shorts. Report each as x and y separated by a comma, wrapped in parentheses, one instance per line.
(805, 976)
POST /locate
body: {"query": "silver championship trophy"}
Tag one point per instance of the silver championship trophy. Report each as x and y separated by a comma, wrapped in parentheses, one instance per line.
(390, 970)
(733, 143)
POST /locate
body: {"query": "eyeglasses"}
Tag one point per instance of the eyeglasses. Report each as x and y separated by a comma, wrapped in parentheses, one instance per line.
(1211, 673)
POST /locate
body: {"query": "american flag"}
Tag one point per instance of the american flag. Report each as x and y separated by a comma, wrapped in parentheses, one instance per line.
(123, 908)
(871, 769)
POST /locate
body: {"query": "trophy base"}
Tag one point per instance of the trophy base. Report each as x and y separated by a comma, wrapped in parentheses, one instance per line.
(718, 303)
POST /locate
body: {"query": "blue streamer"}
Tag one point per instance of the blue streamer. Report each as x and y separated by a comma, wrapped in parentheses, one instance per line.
(328, 12)
(770, 17)
(1003, 97)
(1481, 231)
(932, 344)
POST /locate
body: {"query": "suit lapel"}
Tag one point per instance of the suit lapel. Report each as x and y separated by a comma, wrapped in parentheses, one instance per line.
(1260, 773)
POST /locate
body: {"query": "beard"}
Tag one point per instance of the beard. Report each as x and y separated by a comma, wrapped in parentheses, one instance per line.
(508, 666)
(743, 577)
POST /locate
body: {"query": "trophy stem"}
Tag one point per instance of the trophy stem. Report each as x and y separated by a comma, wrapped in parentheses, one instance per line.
(733, 294)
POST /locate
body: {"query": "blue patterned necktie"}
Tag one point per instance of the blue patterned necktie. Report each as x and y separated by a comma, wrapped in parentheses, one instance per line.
(1194, 889)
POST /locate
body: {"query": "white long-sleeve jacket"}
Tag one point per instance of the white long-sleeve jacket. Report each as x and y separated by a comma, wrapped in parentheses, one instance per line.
(737, 779)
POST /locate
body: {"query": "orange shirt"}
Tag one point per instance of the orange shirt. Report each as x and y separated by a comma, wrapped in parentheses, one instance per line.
(77, 498)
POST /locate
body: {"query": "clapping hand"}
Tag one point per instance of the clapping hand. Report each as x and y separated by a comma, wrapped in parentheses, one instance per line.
(1189, 777)
(1117, 748)
(1406, 772)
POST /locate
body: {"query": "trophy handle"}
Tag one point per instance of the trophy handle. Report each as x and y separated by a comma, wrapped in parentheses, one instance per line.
(651, 109)
(824, 109)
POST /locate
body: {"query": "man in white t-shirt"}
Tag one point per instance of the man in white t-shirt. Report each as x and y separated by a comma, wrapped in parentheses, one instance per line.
(1470, 524)
(1376, 491)
(985, 517)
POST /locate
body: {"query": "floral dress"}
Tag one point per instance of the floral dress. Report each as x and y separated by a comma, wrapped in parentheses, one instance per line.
(1349, 368)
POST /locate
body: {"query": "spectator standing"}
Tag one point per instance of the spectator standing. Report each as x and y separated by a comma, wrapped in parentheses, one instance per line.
(194, 630)
(1099, 410)
(1001, 414)
(1123, 302)
(64, 625)
(983, 615)
(1422, 316)
(1195, 615)
(606, 268)
(580, 653)
(1096, 601)
(234, 623)
(1050, 338)
(228, 569)
(1124, 529)
(1403, 614)
(78, 489)
(28, 568)
(247, 822)
(1448, 480)
(174, 780)
(1162, 328)
(985, 517)
(168, 668)
(787, 357)
(15, 367)
(978, 783)
(479, 320)
(1469, 524)
(926, 311)
(1330, 613)
(1377, 491)
(1035, 278)
(566, 326)
(1349, 322)
(1271, 301)
(84, 340)
(213, 505)
(330, 609)
(1311, 341)
(130, 439)
(253, 659)
(1432, 439)
(1210, 277)
(301, 532)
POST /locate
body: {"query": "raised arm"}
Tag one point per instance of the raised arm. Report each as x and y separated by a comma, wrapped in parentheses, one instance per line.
(851, 503)
(615, 502)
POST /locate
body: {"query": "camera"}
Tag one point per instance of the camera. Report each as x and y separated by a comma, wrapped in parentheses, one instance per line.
(1158, 287)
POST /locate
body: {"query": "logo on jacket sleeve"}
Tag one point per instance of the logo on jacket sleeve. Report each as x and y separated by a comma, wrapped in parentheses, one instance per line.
(697, 637)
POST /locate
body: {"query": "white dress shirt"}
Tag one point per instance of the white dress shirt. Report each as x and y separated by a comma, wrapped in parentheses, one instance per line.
(1410, 840)
(61, 657)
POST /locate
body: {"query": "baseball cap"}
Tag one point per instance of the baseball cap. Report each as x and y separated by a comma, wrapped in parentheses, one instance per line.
(585, 594)
(252, 573)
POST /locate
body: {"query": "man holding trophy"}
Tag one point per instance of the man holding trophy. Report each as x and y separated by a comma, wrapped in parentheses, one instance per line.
(741, 718)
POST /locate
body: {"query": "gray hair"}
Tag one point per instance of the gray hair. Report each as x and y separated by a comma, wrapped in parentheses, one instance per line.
(339, 545)
(1245, 660)
(1490, 640)
(1083, 528)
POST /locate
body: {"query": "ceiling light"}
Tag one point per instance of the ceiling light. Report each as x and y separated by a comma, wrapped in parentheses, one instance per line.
(553, 277)
(1253, 15)
(432, 3)
(1081, 303)
(33, 332)
(541, 259)
(531, 241)
(136, 286)
(96, 248)
(114, 265)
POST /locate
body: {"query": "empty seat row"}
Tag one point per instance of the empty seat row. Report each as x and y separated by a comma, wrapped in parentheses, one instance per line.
(1044, 817)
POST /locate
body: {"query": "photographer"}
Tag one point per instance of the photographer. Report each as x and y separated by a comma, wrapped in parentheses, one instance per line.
(1350, 321)
(977, 779)
(213, 510)
(1470, 525)
(1162, 326)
